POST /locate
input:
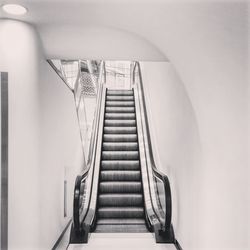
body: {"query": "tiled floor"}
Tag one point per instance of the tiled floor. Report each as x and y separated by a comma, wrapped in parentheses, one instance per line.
(122, 241)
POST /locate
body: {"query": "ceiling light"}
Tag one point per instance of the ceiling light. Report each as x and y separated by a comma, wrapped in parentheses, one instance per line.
(14, 9)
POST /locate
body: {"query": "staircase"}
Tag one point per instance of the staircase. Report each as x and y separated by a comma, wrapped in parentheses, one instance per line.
(120, 196)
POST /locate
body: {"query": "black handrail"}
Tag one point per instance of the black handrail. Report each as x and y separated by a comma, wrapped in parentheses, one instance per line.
(76, 211)
(76, 202)
(158, 174)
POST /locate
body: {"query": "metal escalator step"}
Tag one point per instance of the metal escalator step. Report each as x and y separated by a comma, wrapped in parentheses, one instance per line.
(119, 138)
(120, 104)
(119, 123)
(121, 229)
(119, 175)
(119, 130)
(120, 116)
(120, 212)
(119, 98)
(120, 199)
(120, 165)
(120, 92)
(120, 155)
(120, 187)
(119, 109)
(119, 146)
(121, 221)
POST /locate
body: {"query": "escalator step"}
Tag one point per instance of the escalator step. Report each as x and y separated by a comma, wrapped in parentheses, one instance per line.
(120, 104)
(121, 123)
(120, 138)
(120, 165)
(120, 199)
(120, 212)
(119, 130)
(120, 116)
(119, 98)
(119, 109)
(120, 155)
(119, 146)
(120, 187)
(119, 175)
(119, 221)
(121, 228)
(120, 92)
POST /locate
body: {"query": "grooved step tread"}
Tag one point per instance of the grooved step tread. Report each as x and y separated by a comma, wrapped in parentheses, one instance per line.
(124, 221)
(120, 199)
(119, 130)
(120, 116)
(119, 109)
(121, 229)
(120, 138)
(119, 98)
(118, 175)
(120, 165)
(120, 92)
(119, 123)
(120, 212)
(121, 187)
(120, 104)
(119, 146)
(120, 155)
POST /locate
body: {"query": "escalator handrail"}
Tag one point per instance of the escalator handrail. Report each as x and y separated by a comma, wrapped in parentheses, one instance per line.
(95, 123)
(157, 173)
(91, 156)
(76, 211)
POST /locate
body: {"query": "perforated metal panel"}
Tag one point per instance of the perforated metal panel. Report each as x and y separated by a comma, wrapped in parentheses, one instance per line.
(88, 84)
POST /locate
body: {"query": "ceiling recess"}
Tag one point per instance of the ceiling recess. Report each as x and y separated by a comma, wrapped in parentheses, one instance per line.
(14, 9)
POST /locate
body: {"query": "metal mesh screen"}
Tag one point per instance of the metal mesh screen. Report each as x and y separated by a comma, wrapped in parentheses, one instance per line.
(88, 84)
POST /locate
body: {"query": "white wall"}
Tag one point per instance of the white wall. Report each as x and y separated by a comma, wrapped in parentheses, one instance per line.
(43, 140)
(204, 155)
(212, 66)
(176, 144)
(61, 156)
(19, 57)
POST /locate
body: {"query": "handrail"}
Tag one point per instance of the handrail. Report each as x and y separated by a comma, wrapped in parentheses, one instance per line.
(97, 112)
(76, 210)
(158, 174)
(95, 122)
(78, 213)
(88, 222)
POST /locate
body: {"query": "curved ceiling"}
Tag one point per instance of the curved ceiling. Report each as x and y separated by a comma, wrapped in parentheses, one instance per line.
(97, 42)
(151, 30)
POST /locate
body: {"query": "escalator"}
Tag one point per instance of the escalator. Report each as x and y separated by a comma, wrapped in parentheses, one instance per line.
(120, 197)
(122, 190)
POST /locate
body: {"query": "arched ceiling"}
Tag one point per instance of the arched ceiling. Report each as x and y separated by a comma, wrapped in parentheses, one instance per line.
(136, 30)
(97, 42)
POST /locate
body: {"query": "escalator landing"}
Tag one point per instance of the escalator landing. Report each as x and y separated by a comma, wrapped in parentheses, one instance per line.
(122, 241)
